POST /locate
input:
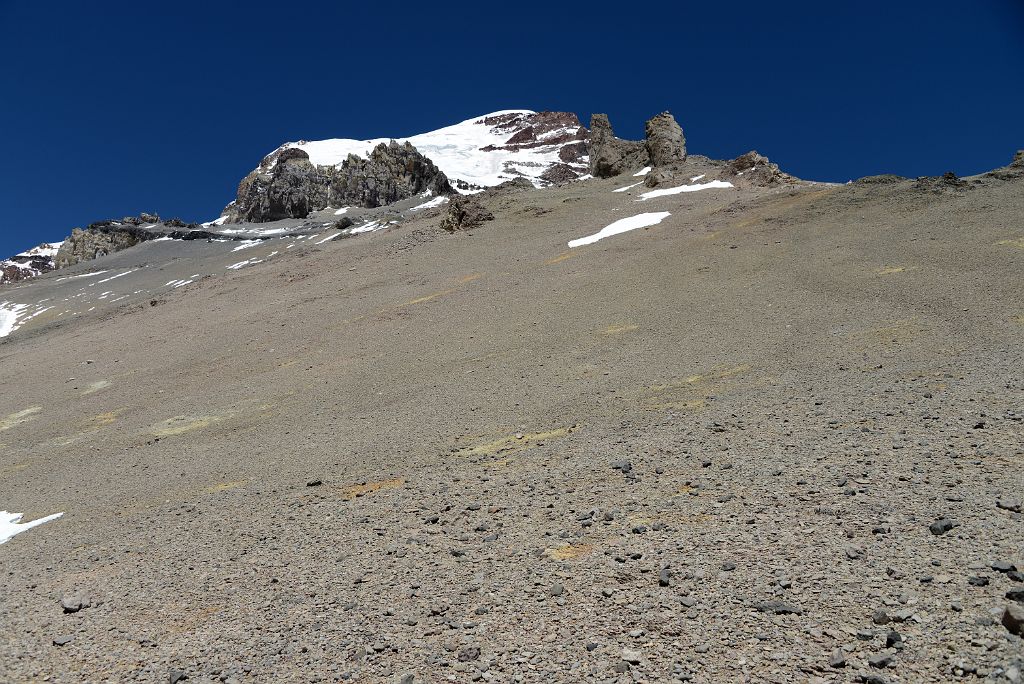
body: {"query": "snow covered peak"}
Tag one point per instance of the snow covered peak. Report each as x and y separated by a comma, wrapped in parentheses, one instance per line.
(480, 152)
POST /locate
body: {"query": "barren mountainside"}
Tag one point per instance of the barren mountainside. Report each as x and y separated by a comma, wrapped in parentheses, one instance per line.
(518, 400)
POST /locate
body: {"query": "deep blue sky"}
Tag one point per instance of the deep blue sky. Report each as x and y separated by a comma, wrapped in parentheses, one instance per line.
(112, 108)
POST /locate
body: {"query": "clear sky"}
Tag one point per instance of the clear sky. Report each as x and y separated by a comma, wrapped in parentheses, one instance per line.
(112, 108)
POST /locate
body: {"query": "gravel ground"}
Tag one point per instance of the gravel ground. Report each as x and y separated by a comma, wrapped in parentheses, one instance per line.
(776, 438)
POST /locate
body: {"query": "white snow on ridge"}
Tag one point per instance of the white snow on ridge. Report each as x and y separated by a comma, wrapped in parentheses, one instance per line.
(622, 226)
(454, 149)
(10, 524)
(684, 188)
(216, 222)
(642, 172)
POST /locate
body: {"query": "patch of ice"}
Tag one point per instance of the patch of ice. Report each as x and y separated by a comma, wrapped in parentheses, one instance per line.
(9, 314)
(165, 238)
(622, 226)
(246, 244)
(10, 524)
(697, 178)
(178, 283)
(684, 188)
(436, 202)
(326, 239)
(628, 187)
(83, 275)
(642, 172)
(114, 277)
(366, 227)
(341, 211)
(247, 262)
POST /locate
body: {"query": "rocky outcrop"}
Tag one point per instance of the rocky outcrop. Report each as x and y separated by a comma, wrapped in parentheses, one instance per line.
(288, 185)
(464, 213)
(1018, 159)
(665, 142)
(558, 174)
(98, 240)
(611, 156)
(755, 169)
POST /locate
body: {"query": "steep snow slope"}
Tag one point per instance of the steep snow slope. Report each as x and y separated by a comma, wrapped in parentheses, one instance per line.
(29, 263)
(483, 151)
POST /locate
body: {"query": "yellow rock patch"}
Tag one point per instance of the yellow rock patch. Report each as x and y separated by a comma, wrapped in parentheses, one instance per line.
(569, 551)
(225, 486)
(96, 387)
(889, 270)
(182, 424)
(358, 490)
(514, 442)
(1014, 242)
(19, 417)
(558, 259)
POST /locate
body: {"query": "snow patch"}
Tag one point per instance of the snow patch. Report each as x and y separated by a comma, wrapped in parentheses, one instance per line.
(9, 314)
(10, 524)
(246, 244)
(628, 187)
(343, 210)
(642, 172)
(436, 202)
(216, 222)
(622, 226)
(684, 188)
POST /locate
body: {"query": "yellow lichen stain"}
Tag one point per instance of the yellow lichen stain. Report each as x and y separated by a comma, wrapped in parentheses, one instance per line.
(679, 395)
(427, 298)
(1019, 320)
(569, 551)
(471, 277)
(96, 387)
(225, 486)
(514, 442)
(619, 329)
(359, 490)
(19, 417)
(182, 424)
(559, 259)
(1014, 242)
(889, 270)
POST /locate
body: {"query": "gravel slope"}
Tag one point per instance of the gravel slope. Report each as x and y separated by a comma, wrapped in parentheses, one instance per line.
(710, 450)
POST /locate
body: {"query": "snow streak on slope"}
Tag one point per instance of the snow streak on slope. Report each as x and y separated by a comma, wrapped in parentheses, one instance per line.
(10, 524)
(459, 152)
(622, 226)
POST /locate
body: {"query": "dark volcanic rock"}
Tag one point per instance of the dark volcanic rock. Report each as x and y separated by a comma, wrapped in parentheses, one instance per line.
(610, 156)
(464, 213)
(559, 173)
(665, 142)
(287, 185)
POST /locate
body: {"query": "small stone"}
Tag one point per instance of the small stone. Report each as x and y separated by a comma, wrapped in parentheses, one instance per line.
(1016, 595)
(1013, 619)
(1004, 566)
(881, 660)
(779, 608)
(1010, 504)
(894, 639)
(853, 552)
(728, 566)
(63, 640)
(407, 678)
(838, 658)
(591, 647)
(978, 581)
(314, 483)
(556, 589)
(664, 577)
(72, 604)
(942, 526)
(880, 617)
(630, 656)
(177, 676)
